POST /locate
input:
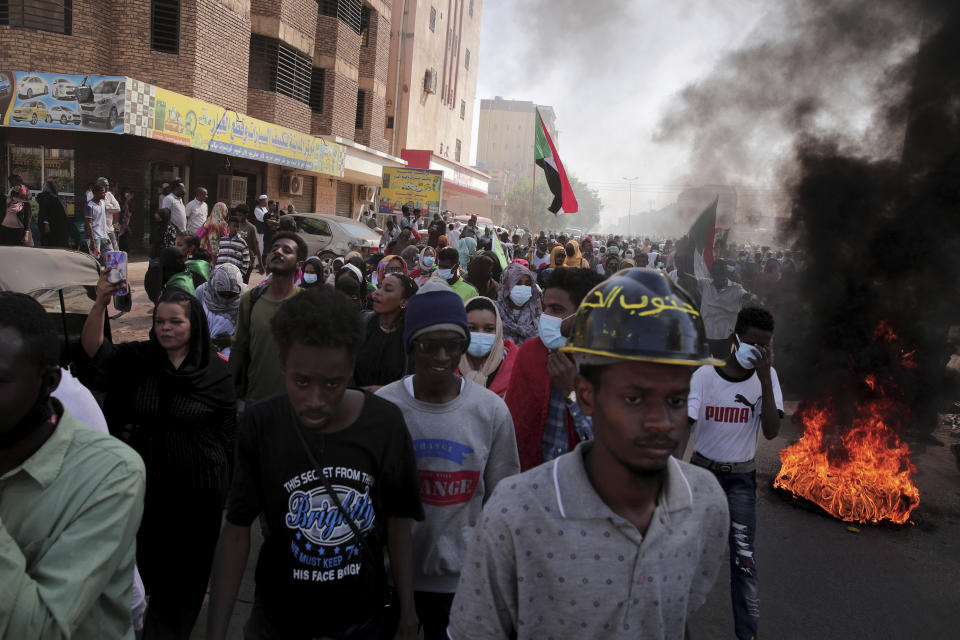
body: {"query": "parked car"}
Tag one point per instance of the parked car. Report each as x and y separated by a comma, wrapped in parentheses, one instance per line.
(32, 86)
(34, 111)
(63, 114)
(102, 103)
(64, 89)
(6, 85)
(328, 236)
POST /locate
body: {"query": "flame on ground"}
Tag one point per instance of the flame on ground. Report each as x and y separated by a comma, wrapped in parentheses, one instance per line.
(861, 475)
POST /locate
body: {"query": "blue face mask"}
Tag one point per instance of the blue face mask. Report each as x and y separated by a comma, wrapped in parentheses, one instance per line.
(428, 261)
(481, 344)
(446, 274)
(310, 278)
(521, 294)
(745, 352)
(551, 333)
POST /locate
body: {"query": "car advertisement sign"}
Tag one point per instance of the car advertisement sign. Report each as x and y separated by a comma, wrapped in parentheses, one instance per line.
(157, 113)
(415, 188)
(62, 101)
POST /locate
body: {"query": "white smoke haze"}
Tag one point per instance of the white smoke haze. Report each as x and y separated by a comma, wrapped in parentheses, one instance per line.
(699, 92)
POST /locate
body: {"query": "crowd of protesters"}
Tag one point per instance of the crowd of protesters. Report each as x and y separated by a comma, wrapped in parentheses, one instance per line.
(468, 403)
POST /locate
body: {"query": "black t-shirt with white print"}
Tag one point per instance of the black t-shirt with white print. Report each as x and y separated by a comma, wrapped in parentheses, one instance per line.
(313, 578)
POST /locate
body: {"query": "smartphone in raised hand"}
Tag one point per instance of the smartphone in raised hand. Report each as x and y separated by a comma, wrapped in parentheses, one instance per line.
(116, 261)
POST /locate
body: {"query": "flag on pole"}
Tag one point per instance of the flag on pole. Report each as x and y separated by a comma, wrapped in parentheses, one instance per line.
(545, 156)
(498, 251)
(702, 236)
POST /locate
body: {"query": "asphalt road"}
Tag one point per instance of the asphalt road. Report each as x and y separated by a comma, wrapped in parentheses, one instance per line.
(818, 579)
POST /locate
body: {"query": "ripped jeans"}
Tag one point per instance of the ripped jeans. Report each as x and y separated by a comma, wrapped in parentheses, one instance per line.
(741, 490)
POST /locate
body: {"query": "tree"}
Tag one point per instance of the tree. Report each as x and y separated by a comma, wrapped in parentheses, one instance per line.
(517, 209)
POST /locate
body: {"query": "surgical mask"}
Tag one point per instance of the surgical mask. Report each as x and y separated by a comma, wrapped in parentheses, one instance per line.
(551, 333)
(745, 352)
(521, 294)
(427, 261)
(481, 344)
(310, 278)
(446, 274)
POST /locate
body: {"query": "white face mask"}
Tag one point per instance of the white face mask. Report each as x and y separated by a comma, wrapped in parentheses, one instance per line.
(745, 352)
(310, 278)
(521, 294)
(551, 331)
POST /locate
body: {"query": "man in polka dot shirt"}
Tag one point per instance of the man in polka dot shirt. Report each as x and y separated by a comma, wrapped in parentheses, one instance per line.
(616, 539)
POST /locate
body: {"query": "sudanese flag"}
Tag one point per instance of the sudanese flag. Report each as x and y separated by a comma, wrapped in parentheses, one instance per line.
(545, 155)
(702, 236)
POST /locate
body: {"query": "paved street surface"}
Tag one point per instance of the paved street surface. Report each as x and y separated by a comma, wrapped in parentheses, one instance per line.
(818, 579)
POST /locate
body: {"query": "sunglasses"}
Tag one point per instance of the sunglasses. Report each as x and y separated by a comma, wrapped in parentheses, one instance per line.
(433, 347)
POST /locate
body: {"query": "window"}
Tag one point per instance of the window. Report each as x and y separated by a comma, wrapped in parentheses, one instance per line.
(278, 67)
(456, 151)
(55, 16)
(165, 25)
(463, 109)
(433, 19)
(471, 8)
(389, 122)
(346, 11)
(317, 80)
(466, 59)
(361, 106)
(364, 26)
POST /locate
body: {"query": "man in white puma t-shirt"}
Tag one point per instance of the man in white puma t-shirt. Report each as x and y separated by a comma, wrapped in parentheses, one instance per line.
(730, 406)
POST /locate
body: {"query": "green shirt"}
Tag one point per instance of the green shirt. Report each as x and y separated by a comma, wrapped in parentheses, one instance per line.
(254, 338)
(68, 526)
(464, 289)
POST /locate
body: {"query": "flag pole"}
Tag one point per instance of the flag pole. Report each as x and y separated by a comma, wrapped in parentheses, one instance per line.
(533, 191)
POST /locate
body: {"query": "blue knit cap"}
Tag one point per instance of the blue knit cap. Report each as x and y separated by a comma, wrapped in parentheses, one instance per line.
(441, 310)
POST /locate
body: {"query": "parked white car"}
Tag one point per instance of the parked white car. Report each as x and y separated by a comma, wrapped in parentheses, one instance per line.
(328, 236)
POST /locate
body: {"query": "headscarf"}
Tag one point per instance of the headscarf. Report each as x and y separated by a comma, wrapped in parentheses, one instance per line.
(409, 255)
(553, 257)
(493, 359)
(627, 263)
(497, 270)
(225, 277)
(577, 260)
(50, 187)
(382, 267)
(202, 375)
(423, 273)
(317, 266)
(466, 248)
(526, 323)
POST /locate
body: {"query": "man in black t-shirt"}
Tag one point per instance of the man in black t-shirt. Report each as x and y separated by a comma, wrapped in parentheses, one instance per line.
(314, 577)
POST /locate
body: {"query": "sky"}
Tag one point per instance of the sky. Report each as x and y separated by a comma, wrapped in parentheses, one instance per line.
(610, 69)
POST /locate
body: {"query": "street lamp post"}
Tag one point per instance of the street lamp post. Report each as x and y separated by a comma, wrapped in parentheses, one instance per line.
(630, 204)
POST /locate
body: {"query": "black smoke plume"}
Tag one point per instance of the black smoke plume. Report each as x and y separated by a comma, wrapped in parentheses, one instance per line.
(874, 210)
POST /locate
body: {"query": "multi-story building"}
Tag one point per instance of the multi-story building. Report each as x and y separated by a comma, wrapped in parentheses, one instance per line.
(506, 136)
(431, 91)
(283, 97)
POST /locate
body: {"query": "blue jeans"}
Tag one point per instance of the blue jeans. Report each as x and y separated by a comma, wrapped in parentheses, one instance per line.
(741, 490)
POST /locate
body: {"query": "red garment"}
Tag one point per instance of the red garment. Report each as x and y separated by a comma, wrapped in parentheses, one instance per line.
(528, 399)
(501, 381)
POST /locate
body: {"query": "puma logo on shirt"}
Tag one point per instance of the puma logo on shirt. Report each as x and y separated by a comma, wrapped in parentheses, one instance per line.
(753, 407)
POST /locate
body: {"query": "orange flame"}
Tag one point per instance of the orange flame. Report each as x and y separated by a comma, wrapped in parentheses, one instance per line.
(863, 475)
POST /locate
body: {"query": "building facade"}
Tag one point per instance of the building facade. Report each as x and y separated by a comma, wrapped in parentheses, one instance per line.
(506, 136)
(431, 91)
(283, 97)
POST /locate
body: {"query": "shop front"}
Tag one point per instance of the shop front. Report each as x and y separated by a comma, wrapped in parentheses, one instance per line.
(74, 129)
(464, 188)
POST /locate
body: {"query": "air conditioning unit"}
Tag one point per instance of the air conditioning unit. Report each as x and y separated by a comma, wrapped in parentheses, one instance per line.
(430, 81)
(292, 184)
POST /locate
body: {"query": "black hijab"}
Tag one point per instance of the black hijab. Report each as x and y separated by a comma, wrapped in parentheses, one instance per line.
(203, 375)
